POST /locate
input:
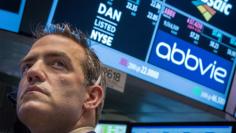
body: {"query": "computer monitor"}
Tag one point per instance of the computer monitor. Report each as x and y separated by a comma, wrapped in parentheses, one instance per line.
(192, 127)
(185, 48)
(111, 127)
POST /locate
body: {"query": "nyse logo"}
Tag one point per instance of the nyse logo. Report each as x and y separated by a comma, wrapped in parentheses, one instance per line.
(190, 62)
(214, 72)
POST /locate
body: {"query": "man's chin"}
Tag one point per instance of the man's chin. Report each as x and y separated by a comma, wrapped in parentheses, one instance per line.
(31, 111)
(31, 108)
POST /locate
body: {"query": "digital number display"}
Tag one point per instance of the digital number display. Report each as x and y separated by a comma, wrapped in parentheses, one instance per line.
(178, 46)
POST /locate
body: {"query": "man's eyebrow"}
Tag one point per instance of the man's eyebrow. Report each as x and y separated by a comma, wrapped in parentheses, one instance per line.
(47, 55)
(27, 59)
(57, 54)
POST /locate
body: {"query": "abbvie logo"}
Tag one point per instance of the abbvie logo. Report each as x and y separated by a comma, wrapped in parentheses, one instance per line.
(190, 61)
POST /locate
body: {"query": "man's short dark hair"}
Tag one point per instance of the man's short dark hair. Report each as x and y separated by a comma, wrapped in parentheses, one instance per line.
(91, 66)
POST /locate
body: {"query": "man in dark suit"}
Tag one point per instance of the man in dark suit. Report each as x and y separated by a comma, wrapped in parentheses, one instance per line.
(62, 88)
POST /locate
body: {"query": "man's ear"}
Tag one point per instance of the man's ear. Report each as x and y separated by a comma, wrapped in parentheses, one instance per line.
(94, 98)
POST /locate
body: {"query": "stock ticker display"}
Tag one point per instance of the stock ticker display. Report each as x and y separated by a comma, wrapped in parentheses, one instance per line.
(187, 47)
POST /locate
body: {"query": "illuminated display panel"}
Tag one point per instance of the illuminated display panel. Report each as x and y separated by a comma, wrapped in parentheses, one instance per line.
(182, 129)
(11, 13)
(211, 11)
(111, 128)
(160, 42)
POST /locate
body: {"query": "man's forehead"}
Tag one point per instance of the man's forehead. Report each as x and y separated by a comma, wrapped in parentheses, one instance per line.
(56, 44)
(54, 40)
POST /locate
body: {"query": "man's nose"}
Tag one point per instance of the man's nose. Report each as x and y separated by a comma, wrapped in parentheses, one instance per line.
(36, 73)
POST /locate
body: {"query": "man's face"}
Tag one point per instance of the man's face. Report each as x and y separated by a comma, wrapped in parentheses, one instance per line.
(52, 84)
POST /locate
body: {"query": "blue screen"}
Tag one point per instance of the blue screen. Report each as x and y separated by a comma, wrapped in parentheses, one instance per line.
(184, 59)
(182, 129)
(185, 48)
(11, 14)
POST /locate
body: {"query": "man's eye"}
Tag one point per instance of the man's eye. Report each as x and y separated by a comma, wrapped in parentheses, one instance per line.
(25, 67)
(59, 65)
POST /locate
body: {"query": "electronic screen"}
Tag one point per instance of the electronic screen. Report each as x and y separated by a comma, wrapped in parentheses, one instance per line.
(181, 46)
(111, 128)
(11, 14)
(182, 129)
(195, 127)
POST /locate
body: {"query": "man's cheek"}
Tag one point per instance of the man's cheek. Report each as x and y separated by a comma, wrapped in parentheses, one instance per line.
(68, 87)
(65, 82)
(21, 87)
